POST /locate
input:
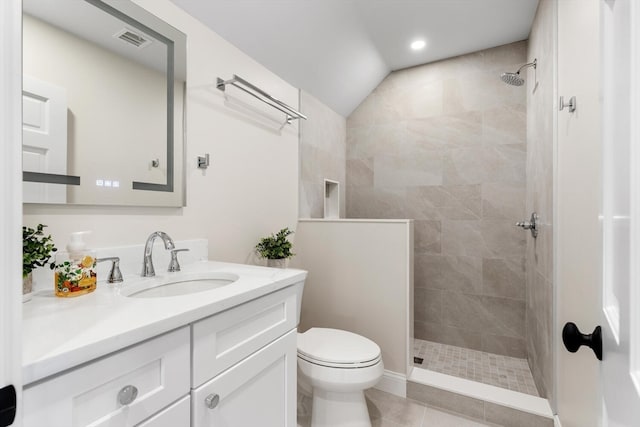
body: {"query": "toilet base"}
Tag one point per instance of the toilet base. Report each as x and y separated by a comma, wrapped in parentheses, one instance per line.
(332, 409)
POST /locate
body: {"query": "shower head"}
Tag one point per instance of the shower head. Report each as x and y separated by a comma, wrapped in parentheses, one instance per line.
(514, 79)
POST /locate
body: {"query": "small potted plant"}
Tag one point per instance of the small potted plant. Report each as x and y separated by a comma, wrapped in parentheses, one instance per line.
(276, 248)
(37, 250)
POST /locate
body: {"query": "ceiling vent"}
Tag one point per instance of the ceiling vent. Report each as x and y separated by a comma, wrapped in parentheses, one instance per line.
(138, 40)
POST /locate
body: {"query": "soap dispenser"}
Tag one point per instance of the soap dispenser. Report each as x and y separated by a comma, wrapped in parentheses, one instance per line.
(75, 272)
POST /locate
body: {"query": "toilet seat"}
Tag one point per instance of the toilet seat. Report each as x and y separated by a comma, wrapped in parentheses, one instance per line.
(336, 348)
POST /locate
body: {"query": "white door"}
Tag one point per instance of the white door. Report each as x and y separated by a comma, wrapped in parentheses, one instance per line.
(11, 193)
(44, 143)
(621, 212)
(577, 202)
(598, 199)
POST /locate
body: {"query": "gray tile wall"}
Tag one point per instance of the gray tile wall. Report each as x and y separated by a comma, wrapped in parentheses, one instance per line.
(322, 155)
(539, 259)
(445, 144)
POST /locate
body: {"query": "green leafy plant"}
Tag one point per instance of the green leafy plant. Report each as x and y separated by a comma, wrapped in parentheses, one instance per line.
(276, 246)
(37, 249)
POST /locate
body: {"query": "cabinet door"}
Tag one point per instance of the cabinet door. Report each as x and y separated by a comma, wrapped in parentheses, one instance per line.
(258, 391)
(176, 415)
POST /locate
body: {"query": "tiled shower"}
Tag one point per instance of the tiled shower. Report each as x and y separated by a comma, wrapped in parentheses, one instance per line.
(445, 145)
(465, 156)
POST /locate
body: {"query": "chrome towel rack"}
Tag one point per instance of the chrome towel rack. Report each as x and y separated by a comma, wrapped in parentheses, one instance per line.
(256, 92)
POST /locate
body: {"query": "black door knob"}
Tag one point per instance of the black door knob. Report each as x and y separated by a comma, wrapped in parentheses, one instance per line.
(7, 405)
(573, 339)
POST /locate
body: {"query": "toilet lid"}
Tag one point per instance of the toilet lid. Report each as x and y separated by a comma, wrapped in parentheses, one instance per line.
(336, 347)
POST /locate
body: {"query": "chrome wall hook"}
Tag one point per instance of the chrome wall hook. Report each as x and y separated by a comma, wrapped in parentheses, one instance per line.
(203, 162)
(571, 105)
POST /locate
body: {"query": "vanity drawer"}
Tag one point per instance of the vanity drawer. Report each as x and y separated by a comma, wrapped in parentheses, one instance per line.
(89, 395)
(222, 340)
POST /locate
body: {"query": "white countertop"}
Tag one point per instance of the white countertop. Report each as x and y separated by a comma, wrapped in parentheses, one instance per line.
(60, 333)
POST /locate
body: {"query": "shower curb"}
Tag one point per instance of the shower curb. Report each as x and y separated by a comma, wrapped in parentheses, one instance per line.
(481, 402)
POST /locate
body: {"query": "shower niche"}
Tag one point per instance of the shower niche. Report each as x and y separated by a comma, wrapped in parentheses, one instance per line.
(331, 199)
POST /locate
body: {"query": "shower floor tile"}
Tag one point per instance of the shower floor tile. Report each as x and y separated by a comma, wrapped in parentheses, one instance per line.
(501, 371)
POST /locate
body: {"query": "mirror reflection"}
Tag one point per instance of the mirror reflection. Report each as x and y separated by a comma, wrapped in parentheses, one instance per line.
(103, 96)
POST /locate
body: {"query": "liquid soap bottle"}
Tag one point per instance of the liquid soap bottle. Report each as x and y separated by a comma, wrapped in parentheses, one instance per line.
(75, 272)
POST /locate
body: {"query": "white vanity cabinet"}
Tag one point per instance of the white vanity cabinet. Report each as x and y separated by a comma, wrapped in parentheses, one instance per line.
(235, 368)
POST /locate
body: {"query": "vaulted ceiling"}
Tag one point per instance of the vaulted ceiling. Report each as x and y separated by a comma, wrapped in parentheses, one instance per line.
(340, 50)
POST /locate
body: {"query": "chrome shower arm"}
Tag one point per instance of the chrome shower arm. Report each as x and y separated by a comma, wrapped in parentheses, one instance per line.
(533, 64)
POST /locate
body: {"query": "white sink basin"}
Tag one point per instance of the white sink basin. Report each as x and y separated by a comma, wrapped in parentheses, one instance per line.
(181, 285)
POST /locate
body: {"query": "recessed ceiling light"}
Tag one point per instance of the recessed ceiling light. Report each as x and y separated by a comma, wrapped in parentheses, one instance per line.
(418, 44)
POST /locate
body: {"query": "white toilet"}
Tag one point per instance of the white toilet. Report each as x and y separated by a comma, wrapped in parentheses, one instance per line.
(336, 367)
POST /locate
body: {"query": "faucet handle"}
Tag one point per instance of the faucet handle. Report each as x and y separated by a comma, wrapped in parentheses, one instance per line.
(532, 225)
(173, 264)
(115, 276)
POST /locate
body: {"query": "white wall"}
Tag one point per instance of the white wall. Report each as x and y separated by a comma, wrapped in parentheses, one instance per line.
(361, 280)
(251, 187)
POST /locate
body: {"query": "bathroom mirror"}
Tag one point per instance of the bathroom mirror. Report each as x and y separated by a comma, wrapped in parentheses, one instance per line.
(103, 104)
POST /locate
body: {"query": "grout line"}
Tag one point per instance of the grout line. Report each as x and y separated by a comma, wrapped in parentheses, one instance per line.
(424, 416)
(484, 411)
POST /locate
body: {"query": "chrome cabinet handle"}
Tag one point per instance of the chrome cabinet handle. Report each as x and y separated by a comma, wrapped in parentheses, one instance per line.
(212, 401)
(127, 394)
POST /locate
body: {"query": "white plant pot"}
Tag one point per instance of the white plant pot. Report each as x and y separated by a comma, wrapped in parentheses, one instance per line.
(278, 263)
(27, 287)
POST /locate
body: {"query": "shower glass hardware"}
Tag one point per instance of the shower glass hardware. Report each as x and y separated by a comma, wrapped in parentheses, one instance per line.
(532, 225)
(514, 79)
(256, 92)
(571, 105)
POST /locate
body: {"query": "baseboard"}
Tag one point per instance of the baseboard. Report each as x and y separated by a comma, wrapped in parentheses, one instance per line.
(556, 421)
(394, 383)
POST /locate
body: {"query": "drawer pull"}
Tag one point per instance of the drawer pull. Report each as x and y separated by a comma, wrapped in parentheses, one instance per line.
(127, 395)
(212, 401)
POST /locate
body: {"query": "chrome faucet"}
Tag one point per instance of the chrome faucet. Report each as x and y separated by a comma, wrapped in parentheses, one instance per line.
(147, 264)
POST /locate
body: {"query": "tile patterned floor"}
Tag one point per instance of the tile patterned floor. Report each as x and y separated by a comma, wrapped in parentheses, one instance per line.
(501, 371)
(388, 410)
